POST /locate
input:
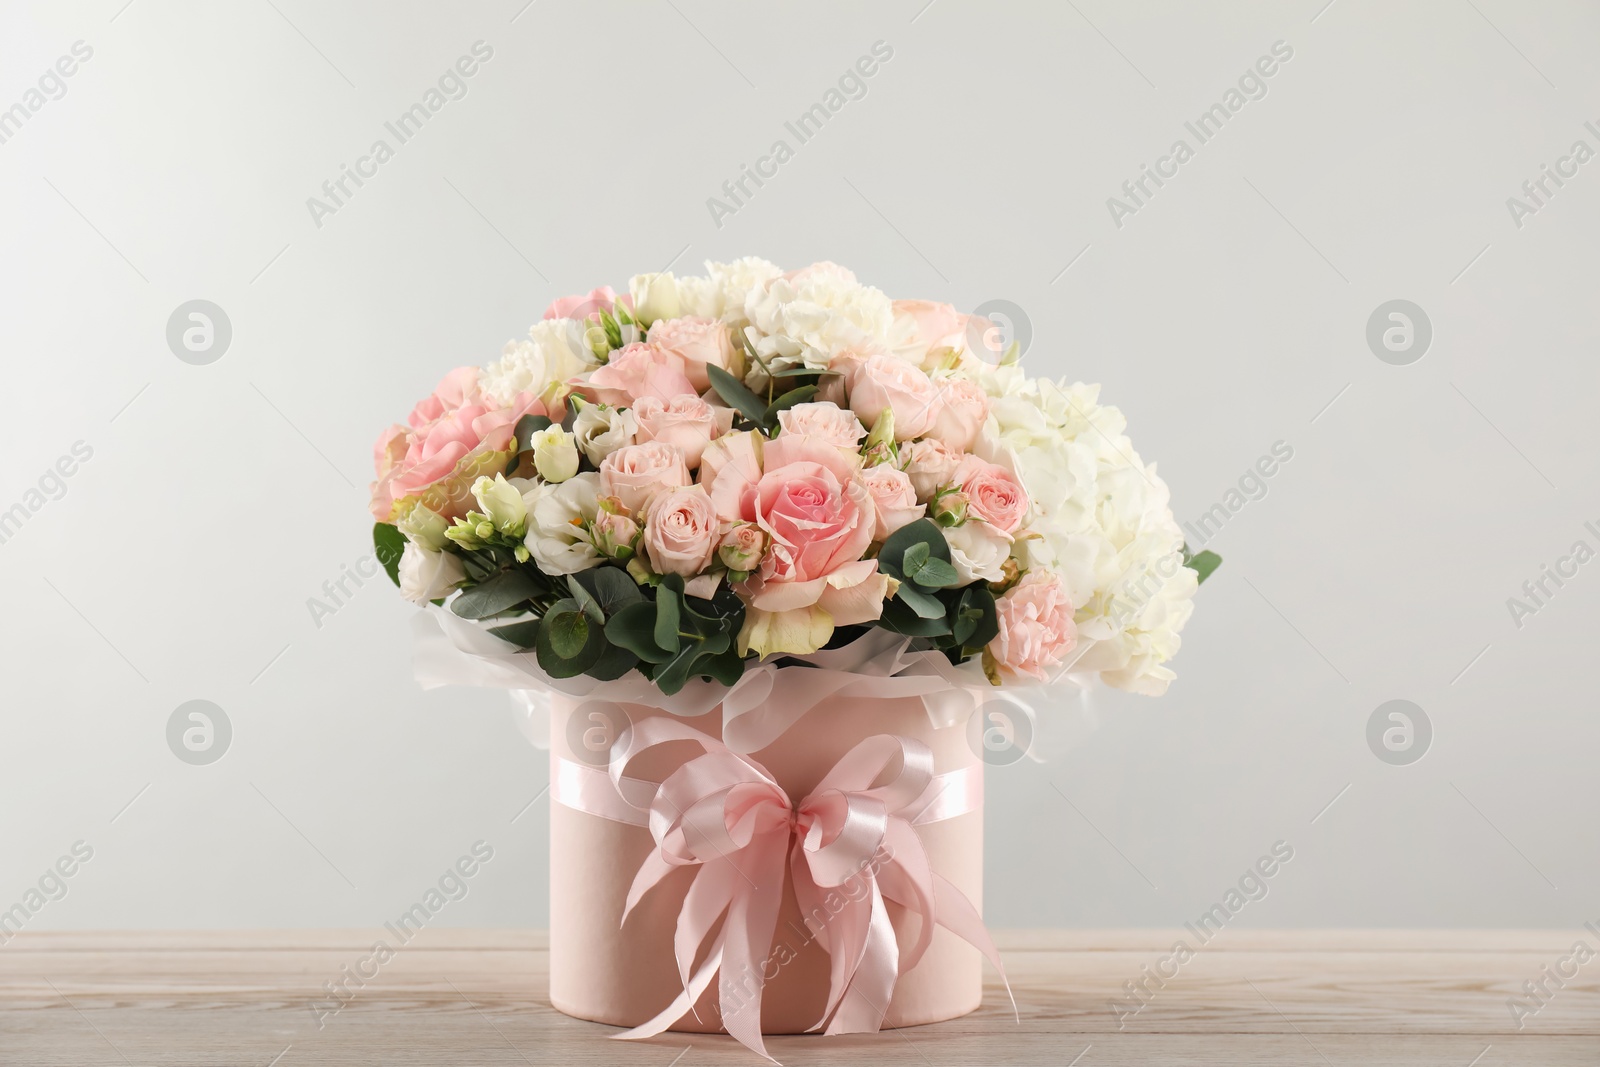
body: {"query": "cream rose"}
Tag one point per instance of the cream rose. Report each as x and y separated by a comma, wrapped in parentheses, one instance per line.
(963, 408)
(887, 383)
(636, 473)
(687, 423)
(893, 498)
(824, 421)
(680, 531)
(931, 464)
(699, 343)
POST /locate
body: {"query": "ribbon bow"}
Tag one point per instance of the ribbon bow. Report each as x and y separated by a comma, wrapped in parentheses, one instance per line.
(725, 813)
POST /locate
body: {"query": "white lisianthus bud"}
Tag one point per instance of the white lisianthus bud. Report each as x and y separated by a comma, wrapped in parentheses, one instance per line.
(502, 505)
(655, 296)
(421, 524)
(555, 454)
(600, 430)
(426, 574)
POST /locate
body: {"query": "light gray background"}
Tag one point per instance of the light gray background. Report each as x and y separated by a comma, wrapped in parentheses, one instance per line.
(1228, 314)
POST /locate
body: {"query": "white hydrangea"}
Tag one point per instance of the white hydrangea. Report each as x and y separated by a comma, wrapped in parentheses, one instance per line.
(1101, 517)
(814, 316)
(553, 353)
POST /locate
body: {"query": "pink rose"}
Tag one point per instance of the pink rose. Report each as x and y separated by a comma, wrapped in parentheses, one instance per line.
(457, 435)
(819, 519)
(639, 370)
(680, 531)
(889, 383)
(742, 547)
(699, 343)
(1036, 627)
(635, 473)
(825, 422)
(387, 455)
(613, 531)
(582, 305)
(922, 327)
(963, 408)
(893, 499)
(685, 422)
(993, 494)
(931, 465)
(729, 466)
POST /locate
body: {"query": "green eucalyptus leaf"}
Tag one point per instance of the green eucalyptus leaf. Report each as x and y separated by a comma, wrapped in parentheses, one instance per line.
(502, 592)
(612, 587)
(586, 601)
(923, 603)
(613, 663)
(801, 395)
(666, 628)
(633, 628)
(902, 620)
(389, 544)
(923, 532)
(567, 644)
(736, 395)
(522, 634)
(934, 573)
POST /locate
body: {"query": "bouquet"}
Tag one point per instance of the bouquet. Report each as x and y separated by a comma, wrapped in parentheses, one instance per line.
(708, 472)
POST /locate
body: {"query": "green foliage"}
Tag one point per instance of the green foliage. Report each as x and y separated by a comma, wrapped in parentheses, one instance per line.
(737, 396)
(503, 592)
(1202, 563)
(388, 543)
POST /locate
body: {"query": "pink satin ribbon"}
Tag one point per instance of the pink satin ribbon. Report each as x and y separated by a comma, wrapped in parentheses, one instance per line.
(723, 812)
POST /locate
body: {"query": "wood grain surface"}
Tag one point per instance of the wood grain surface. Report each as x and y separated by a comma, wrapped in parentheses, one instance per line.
(477, 997)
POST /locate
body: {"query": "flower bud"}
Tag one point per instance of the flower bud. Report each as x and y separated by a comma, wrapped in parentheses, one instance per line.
(555, 454)
(615, 533)
(742, 547)
(502, 505)
(949, 507)
(420, 523)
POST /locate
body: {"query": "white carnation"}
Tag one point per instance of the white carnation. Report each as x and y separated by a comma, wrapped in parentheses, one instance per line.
(554, 352)
(811, 319)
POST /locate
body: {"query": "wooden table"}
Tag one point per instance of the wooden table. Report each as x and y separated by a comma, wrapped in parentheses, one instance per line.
(476, 997)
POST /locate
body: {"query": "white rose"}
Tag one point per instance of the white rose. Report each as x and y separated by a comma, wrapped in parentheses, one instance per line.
(559, 516)
(555, 454)
(978, 552)
(600, 430)
(428, 575)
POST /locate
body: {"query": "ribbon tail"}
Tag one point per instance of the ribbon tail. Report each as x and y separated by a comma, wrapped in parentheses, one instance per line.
(874, 975)
(749, 928)
(707, 899)
(681, 1005)
(956, 914)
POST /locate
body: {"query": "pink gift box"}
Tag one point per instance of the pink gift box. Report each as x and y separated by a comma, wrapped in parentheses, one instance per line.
(624, 974)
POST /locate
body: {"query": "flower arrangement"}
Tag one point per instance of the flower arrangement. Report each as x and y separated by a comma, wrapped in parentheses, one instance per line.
(756, 464)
